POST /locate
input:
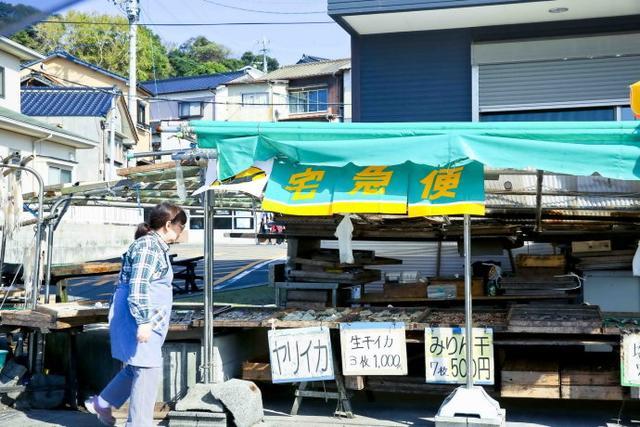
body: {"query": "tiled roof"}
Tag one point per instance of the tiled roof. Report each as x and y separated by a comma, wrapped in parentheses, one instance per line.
(311, 69)
(306, 59)
(68, 56)
(190, 84)
(66, 101)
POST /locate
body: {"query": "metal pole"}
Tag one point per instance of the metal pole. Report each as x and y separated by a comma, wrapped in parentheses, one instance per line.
(112, 140)
(133, 12)
(51, 227)
(539, 179)
(208, 355)
(36, 264)
(467, 299)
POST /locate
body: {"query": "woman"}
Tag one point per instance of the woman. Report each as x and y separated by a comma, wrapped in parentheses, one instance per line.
(139, 318)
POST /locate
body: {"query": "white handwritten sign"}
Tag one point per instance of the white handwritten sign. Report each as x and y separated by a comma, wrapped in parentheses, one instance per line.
(301, 354)
(630, 360)
(373, 348)
(445, 356)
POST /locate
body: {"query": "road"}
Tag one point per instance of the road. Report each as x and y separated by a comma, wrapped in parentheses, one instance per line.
(235, 267)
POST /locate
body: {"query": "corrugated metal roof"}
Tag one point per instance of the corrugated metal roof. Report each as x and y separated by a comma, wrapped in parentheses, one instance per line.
(190, 84)
(66, 101)
(311, 69)
(591, 193)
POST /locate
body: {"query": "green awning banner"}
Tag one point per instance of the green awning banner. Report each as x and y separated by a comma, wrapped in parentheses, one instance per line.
(406, 189)
(611, 149)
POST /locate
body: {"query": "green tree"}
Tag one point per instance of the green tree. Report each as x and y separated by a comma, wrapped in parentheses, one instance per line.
(250, 58)
(198, 56)
(104, 42)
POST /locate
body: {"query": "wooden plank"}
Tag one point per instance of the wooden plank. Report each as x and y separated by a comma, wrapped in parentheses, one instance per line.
(538, 392)
(404, 290)
(85, 268)
(531, 372)
(256, 371)
(589, 377)
(590, 392)
(72, 310)
(146, 168)
(524, 261)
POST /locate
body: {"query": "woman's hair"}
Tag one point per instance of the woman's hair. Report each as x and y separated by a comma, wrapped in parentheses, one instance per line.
(159, 216)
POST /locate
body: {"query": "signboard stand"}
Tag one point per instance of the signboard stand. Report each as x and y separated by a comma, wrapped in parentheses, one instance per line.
(469, 402)
(341, 395)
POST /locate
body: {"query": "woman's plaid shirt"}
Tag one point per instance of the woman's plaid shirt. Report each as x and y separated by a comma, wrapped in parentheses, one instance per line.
(144, 261)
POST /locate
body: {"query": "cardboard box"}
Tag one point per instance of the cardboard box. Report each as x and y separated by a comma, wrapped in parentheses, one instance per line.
(477, 285)
(405, 290)
(591, 246)
(447, 291)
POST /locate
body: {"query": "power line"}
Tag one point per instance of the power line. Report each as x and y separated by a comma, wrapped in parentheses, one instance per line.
(189, 24)
(323, 12)
(160, 98)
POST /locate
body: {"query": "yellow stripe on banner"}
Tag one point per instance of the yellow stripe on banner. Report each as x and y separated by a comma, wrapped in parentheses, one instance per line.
(370, 207)
(451, 209)
(304, 210)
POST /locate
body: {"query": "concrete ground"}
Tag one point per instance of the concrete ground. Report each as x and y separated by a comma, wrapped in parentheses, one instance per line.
(388, 410)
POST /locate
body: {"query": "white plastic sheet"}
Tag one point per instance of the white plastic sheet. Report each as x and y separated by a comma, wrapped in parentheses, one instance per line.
(344, 233)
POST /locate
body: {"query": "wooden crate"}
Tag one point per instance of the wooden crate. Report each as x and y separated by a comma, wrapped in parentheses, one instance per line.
(556, 319)
(477, 285)
(405, 290)
(256, 371)
(540, 261)
(597, 382)
(531, 379)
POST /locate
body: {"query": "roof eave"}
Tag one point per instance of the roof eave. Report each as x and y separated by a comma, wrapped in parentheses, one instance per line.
(18, 50)
(27, 129)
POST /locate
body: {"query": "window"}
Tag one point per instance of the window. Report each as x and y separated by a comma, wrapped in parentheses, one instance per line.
(259, 98)
(196, 223)
(626, 114)
(58, 175)
(1, 82)
(222, 223)
(142, 113)
(243, 223)
(308, 101)
(190, 109)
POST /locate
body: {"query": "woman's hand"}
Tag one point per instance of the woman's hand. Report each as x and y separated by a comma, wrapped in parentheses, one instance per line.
(144, 332)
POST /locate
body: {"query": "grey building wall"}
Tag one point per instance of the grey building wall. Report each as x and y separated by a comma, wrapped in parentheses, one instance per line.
(426, 76)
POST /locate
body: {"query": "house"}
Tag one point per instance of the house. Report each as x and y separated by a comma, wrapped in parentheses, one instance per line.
(54, 151)
(181, 99)
(491, 60)
(314, 89)
(60, 68)
(89, 112)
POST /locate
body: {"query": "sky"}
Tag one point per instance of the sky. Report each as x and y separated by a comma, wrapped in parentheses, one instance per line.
(286, 43)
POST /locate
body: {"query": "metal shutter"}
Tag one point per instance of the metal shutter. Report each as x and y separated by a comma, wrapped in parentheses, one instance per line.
(520, 84)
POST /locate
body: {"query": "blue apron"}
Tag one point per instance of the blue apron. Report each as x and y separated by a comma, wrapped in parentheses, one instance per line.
(123, 328)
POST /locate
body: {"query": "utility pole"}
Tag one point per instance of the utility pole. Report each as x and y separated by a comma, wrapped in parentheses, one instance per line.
(264, 50)
(133, 14)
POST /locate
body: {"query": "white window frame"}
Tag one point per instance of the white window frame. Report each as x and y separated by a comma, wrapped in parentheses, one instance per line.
(181, 104)
(60, 168)
(249, 99)
(294, 92)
